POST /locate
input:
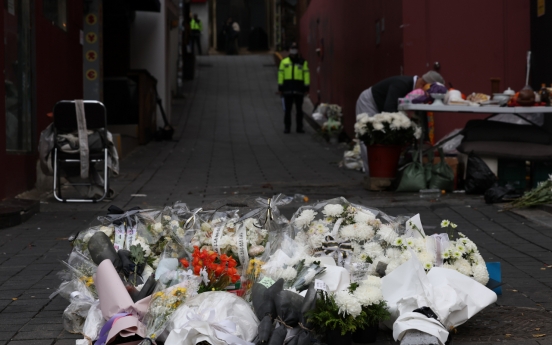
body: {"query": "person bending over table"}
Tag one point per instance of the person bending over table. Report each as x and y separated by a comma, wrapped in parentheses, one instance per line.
(384, 96)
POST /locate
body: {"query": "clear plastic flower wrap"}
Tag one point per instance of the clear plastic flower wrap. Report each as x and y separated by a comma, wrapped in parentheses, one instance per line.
(288, 262)
(163, 304)
(74, 316)
(94, 322)
(77, 275)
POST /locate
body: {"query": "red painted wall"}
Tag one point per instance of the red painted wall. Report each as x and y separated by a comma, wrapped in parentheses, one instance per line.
(57, 76)
(471, 46)
(473, 40)
(351, 60)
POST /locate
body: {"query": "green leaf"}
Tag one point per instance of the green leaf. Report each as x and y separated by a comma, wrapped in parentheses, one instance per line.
(137, 254)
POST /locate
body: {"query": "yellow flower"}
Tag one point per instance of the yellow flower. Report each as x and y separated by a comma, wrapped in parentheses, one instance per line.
(179, 291)
(89, 281)
(159, 294)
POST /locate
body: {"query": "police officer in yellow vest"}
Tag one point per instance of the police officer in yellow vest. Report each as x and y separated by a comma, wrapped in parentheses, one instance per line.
(293, 84)
(195, 33)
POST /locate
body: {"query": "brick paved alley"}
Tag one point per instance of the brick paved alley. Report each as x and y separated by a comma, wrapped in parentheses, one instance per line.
(229, 142)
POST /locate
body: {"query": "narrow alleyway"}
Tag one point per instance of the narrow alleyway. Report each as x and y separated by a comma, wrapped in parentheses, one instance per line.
(229, 136)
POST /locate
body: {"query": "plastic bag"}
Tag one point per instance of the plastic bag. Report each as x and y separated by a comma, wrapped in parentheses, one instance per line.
(479, 177)
(450, 146)
(94, 321)
(74, 315)
(496, 194)
(413, 176)
(442, 175)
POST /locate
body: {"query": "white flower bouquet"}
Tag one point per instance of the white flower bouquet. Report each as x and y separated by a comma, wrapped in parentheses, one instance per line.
(386, 129)
(463, 256)
(163, 304)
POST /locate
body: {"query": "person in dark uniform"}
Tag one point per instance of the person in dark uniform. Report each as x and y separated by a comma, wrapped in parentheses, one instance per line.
(384, 96)
(293, 85)
(230, 36)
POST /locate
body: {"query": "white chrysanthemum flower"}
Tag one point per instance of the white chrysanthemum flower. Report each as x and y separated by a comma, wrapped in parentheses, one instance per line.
(315, 241)
(319, 228)
(405, 256)
(393, 264)
(378, 126)
(452, 225)
(446, 254)
(250, 224)
(364, 217)
(427, 266)
(410, 242)
(456, 254)
(167, 218)
(347, 303)
(460, 247)
(158, 228)
(393, 253)
(478, 259)
(372, 281)
(368, 294)
(387, 234)
(445, 223)
(463, 266)
(108, 230)
(373, 249)
(206, 227)
(480, 274)
(289, 273)
(470, 246)
(332, 210)
(399, 241)
(425, 257)
(306, 217)
(364, 118)
(358, 231)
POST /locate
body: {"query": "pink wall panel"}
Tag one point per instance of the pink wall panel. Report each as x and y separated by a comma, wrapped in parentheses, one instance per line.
(352, 62)
(471, 46)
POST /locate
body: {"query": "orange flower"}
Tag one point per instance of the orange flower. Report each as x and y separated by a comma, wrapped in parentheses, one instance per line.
(184, 262)
(235, 278)
(232, 271)
(232, 263)
(197, 269)
(219, 270)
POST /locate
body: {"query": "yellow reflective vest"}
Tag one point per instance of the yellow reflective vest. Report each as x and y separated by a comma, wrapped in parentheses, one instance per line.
(293, 76)
(195, 25)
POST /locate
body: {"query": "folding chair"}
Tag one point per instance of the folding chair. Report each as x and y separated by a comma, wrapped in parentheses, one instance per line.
(65, 121)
